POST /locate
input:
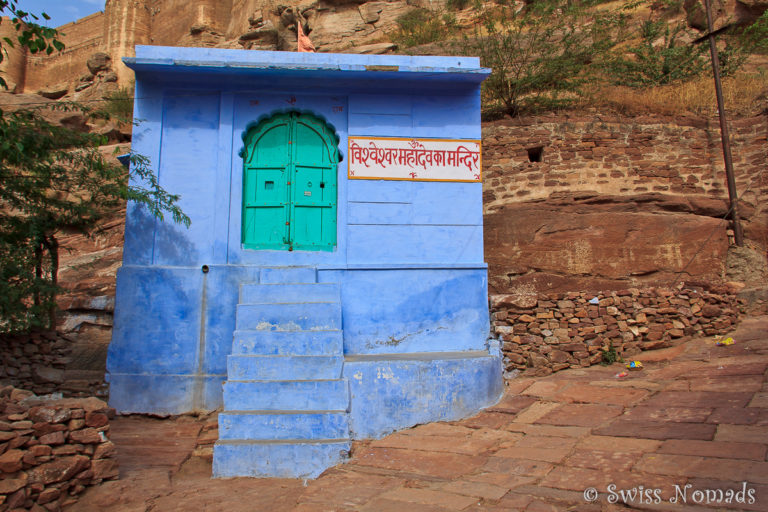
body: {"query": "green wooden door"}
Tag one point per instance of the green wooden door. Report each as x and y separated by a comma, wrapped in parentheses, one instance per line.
(289, 184)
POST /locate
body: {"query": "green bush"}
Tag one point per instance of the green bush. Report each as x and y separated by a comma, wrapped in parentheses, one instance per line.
(663, 56)
(26, 295)
(54, 178)
(610, 355)
(543, 55)
(741, 42)
(755, 36)
(119, 104)
(422, 26)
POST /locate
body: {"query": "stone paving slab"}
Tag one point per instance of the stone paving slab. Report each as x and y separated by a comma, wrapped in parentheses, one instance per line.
(438, 443)
(588, 393)
(668, 414)
(704, 399)
(693, 425)
(745, 433)
(739, 416)
(658, 430)
(581, 415)
(603, 460)
(717, 449)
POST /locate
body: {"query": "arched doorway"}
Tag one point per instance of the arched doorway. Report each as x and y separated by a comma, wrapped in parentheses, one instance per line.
(290, 165)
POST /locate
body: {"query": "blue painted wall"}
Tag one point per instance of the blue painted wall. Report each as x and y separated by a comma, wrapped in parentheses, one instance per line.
(409, 256)
(391, 394)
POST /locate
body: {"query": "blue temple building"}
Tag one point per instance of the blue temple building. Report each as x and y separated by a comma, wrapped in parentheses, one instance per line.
(332, 285)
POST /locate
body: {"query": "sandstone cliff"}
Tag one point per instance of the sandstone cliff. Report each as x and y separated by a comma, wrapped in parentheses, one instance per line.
(357, 26)
(333, 25)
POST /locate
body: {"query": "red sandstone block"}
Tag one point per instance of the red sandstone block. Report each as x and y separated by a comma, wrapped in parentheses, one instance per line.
(587, 393)
(657, 430)
(728, 450)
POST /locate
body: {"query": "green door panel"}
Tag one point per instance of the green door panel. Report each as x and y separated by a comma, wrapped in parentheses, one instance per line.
(314, 207)
(290, 167)
(269, 145)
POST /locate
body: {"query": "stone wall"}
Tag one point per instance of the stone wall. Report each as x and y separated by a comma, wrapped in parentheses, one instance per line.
(42, 362)
(590, 202)
(51, 450)
(359, 27)
(126, 24)
(81, 38)
(572, 330)
(172, 19)
(13, 66)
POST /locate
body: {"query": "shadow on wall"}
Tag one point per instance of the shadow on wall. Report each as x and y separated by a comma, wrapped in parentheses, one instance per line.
(157, 239)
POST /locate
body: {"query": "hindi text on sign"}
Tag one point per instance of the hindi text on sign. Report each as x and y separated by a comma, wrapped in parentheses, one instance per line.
(414, 159)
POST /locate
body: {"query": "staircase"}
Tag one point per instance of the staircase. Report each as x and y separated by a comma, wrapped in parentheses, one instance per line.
(285, 403)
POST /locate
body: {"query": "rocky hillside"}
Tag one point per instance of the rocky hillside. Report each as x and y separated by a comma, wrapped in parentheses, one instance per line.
(576, 200)
(96, 44)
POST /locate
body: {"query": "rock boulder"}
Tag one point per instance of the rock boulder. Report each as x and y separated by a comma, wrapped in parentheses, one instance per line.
(99, 61)
(547, 247)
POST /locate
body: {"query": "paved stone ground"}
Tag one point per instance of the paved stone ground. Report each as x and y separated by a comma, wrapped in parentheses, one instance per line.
(696, 417)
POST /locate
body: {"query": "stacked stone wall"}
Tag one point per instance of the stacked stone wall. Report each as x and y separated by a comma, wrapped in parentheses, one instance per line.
(587, 201)
(574, 330)
(51, 450)
(42, 362)
(621, 156)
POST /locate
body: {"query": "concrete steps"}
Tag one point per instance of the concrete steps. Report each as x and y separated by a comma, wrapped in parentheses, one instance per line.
(272, 459)
(289, 316)
(261, 293)
(275, 395)
(285, 401)
(287, 343)
(283, 425)
(271, 367)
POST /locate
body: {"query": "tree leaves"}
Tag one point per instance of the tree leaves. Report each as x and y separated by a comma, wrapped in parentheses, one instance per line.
(51, 178)
(54, 178)
(543, 53)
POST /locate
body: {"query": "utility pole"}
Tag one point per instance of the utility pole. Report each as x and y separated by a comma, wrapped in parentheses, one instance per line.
(724, 135)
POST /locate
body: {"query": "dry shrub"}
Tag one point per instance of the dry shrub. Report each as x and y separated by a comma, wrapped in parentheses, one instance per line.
(744, 93)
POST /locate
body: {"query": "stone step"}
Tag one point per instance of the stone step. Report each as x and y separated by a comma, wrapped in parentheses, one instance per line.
(283, 425)
(259, 367)
(288, 343)
(277, 459)
(266, 293)
(286, 395)
(307, 316)
(284, 275)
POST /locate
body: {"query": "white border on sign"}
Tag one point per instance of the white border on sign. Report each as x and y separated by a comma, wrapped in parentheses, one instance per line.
(411, 159)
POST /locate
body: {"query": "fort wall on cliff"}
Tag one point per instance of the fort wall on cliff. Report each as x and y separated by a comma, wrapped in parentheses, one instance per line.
(114, 31)
(81, 39)
(355, 27)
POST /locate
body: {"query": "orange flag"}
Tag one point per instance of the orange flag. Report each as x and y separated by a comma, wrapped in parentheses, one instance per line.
(305, 45)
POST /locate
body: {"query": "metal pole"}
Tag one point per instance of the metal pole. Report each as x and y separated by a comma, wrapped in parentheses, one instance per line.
(724, 135)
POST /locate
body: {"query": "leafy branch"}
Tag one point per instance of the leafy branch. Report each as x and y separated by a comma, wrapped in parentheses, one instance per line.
(29, 34)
